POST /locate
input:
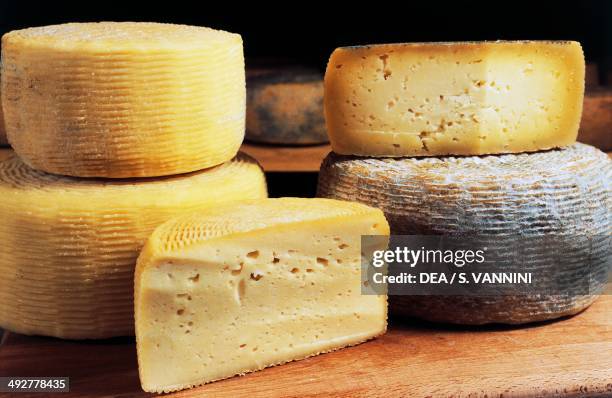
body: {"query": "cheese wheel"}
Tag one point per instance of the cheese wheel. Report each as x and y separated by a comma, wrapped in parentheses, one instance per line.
(470, 98)
(237, 288)
(285, 106)
(565, 193)
(596, 124)
(69, 246)
(123, 99)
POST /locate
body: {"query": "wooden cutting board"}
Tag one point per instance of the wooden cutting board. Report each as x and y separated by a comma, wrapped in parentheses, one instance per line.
(567, 358)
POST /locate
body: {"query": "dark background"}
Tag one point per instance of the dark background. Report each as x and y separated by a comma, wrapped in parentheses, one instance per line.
(307, 31)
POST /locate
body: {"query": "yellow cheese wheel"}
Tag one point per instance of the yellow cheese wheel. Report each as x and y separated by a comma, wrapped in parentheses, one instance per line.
(123, 99)
(69, 245)
(564, 193)
(466, 98)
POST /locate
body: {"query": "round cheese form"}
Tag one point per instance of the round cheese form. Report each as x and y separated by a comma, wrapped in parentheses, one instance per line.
(459, 98)
(564, 192)
(69, 246)
(123, 99)
(285, 106)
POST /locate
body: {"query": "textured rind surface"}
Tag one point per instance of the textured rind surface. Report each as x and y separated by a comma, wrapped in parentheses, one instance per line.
(461, 98)
(285, 106)
(565, 193)
(123, 99)
(187, 230)
(69, 246)
(596, 124)
(172, 240)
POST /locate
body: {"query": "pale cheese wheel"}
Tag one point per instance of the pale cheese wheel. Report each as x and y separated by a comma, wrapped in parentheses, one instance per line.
(462, 98)
(123, 99)
(69, 245)
(565, 193)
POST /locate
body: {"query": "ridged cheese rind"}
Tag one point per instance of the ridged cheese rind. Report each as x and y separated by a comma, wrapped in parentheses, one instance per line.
(565, 193)
(69, 245)
(123, 99)
(241, 287)
(464, 98)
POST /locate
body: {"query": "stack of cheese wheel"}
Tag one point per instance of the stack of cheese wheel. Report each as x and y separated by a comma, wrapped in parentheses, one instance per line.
(473, 138)
(116, 127)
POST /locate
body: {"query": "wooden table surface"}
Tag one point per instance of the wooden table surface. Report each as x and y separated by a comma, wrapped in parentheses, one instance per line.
(567, 358)
(288, 158)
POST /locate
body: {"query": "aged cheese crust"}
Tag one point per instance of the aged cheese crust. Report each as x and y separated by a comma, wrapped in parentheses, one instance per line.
(565, 193)
(470, 98)
(123, 99)
(237, 288)
(69, 246)
(285, 106)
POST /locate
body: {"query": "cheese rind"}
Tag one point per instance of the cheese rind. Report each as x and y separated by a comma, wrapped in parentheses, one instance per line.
(431, 99)
(563, 193)
(69, 246)
(239, 288)
(123, 99)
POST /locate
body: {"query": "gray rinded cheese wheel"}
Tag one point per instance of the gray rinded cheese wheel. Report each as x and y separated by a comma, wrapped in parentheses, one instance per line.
(565, 192)
(285, 106)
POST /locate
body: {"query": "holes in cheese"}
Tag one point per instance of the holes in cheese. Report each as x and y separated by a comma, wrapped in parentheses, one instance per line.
(431, 99)
(123, 99)
(562, 193)
(298, 296)
(69, 246)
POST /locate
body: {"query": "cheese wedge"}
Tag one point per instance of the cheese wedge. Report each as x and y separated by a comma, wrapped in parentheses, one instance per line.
(123, 99)
(564, 193)
(472, 98)
(68, 246)
(241, 287)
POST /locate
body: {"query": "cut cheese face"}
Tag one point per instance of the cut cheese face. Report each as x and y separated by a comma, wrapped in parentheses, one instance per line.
(123, 99)
(563, 193)
(69, 246)
(431, 99)
(238, 288)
